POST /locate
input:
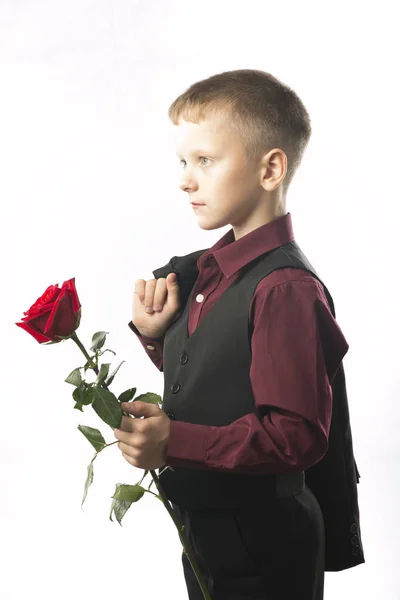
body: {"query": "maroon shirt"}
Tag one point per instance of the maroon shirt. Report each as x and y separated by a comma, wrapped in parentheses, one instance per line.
(297, 347)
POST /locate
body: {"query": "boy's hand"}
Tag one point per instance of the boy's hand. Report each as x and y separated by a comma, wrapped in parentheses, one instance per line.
(163, 292)
(143, 442)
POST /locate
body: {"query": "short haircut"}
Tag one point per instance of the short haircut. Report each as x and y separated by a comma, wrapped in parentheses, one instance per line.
(265, 113)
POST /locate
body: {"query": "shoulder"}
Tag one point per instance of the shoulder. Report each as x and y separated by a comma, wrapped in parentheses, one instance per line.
(290, 304)
(289, 283)
(293, 295)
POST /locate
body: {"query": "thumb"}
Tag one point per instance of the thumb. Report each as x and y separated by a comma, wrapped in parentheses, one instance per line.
(140, 409)
(171, 278)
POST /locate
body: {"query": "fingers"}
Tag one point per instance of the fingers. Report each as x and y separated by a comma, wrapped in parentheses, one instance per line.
(129, 426)
(159, 294)
(151, 292)
(131, 445)
(129, 453)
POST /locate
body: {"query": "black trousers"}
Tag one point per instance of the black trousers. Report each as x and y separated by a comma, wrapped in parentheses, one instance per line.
(274, 552)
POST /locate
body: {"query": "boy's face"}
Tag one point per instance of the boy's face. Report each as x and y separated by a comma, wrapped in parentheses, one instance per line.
(216, 173)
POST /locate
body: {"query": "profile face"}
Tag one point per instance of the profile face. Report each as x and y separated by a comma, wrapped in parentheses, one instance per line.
(216, 173)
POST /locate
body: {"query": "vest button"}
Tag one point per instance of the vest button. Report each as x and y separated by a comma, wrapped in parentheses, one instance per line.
(175, 387)
(171, 415)
(184, 358)
(356, 550)
(353, 528)
(354, 540)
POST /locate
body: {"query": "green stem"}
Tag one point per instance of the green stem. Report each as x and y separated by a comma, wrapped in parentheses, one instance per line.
(83, 349)
(180, 527)
(182, 535)
(106, 445)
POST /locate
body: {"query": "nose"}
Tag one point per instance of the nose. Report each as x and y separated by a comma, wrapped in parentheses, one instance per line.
(186, 183)
(186, 187)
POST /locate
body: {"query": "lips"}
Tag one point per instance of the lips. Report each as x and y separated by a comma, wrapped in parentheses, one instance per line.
(196, 204)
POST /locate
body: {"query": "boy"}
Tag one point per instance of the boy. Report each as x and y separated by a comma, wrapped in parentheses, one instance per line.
(257, 427)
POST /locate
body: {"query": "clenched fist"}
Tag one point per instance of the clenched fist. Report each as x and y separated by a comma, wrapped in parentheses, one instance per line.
(143, 442)
(155, 305)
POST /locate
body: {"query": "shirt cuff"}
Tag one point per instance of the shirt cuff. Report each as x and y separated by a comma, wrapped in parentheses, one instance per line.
(134, 328)
(187, 445)
(144, 337)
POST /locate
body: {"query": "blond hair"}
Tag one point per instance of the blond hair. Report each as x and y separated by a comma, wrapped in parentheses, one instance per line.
(265, 113)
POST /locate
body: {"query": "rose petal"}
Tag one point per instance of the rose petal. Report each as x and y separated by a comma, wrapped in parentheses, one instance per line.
(70, 285)
(39, 337)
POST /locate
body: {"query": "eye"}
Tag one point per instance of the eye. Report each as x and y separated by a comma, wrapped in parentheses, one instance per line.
(203, 157)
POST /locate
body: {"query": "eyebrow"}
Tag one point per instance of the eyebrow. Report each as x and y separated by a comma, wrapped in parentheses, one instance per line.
(199, 151)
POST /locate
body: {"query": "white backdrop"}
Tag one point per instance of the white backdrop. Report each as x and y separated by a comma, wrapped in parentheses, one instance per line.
(89, 189)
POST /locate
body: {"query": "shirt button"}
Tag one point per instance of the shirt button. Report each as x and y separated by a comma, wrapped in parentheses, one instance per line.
(199, 297)
(175, 387)
(150, 347)
(184, 358)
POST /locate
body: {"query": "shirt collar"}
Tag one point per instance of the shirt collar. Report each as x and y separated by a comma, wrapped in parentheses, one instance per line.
(231, 255)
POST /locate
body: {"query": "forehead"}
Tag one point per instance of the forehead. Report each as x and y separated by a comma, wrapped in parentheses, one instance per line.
(209, 134)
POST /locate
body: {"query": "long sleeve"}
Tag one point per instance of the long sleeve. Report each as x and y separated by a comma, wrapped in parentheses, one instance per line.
(297, 347)
(152, 346)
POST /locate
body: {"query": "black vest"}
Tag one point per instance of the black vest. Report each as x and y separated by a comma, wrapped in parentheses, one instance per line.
(206, 381)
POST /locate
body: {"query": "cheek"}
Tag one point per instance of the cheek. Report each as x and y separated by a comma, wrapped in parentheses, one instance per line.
(234, 187)
(226, 180)
(228, 186)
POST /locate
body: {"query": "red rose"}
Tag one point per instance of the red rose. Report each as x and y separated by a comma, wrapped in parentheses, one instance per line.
(55, 315)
